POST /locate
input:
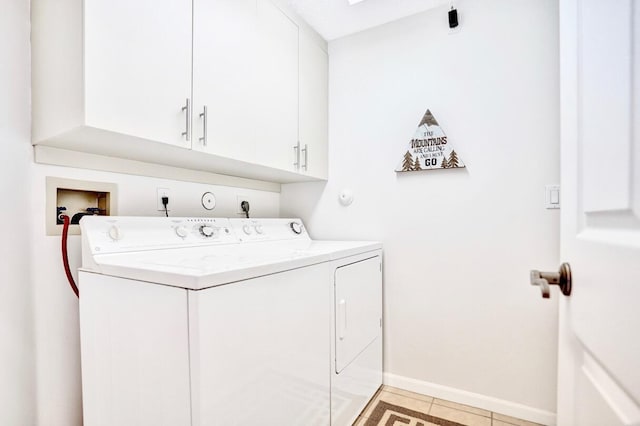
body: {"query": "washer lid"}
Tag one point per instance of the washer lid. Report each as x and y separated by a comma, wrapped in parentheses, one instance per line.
(201, 267)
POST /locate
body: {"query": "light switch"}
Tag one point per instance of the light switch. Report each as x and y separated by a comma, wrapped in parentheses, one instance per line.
(552, 196)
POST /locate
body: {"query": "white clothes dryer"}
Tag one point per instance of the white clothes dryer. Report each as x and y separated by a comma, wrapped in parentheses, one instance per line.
(213, 321)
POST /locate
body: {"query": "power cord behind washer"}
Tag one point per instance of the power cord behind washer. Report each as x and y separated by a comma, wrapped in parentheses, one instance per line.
(245, 208)
(165, 201)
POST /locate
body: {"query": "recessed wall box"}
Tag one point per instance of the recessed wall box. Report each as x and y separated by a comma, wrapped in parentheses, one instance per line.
(76, 198)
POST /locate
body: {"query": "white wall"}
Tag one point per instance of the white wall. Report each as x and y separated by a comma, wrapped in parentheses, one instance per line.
(458, 244)
(56, 307)
(17, 392)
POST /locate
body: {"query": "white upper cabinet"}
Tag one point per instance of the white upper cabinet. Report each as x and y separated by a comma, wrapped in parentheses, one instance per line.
(111, 66)
(314, 107)
(226, 86)
(224, 77)
(277, 95)
(137, 72)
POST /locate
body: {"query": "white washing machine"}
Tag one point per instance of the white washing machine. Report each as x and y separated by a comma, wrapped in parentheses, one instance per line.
(202, 321)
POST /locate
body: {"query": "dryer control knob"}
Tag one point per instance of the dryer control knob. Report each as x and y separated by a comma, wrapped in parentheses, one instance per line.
(115, 233)
(182, 232)
(207, 231)
(259, 229)
(296, 227)
(246, 229)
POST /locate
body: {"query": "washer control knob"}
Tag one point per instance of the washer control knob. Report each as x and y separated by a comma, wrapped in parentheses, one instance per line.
(182, 232)
(207, 231)
(296, 227)
(247, 229)
(115, 233)
(259, 229)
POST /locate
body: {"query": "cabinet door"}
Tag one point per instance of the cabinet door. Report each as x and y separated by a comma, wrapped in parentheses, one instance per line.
(224, 69)
(277, 95)
(137, 67)
(314, 97)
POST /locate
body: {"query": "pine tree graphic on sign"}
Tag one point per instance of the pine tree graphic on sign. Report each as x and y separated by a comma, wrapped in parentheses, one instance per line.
(407, 164)
(429, 148)
(453, 160)
(416, 164)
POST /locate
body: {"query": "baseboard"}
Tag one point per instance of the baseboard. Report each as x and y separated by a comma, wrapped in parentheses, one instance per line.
(502, 406)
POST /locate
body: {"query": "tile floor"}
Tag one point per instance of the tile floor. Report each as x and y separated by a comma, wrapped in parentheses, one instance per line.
(447, 410)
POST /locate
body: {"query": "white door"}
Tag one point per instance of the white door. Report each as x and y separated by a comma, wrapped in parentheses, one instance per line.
(599, 348)
(277, 96)
(224, 70)
(137, 67)
(358, 309)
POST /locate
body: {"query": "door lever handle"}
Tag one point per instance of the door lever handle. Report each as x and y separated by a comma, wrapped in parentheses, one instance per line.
(562, 278)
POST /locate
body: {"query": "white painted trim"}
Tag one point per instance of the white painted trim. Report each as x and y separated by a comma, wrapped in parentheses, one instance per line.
(498, 405)
(83, 160)
(618, 400)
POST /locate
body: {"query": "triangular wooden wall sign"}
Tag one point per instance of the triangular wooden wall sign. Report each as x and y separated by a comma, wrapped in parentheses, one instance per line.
(429, 149)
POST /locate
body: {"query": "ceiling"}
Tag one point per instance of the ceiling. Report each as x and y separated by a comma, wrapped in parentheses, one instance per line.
(337, 18)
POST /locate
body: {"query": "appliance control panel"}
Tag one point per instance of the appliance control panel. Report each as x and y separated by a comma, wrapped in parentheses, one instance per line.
(248, 230)
(119, 234)
(113, 234)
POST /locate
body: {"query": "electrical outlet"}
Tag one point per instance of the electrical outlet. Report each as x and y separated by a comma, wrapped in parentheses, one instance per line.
(163, 192)
(242, 198)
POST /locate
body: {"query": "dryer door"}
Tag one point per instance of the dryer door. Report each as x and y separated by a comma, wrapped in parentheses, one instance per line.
(358, 308)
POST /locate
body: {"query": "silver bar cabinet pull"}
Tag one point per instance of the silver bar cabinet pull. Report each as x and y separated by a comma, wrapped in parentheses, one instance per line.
(562, 278)
(296, 155)
(203, 115)
(306, 157)
(187, 109)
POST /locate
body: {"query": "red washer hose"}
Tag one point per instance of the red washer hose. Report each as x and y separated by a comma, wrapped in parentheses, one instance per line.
(65, 255)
